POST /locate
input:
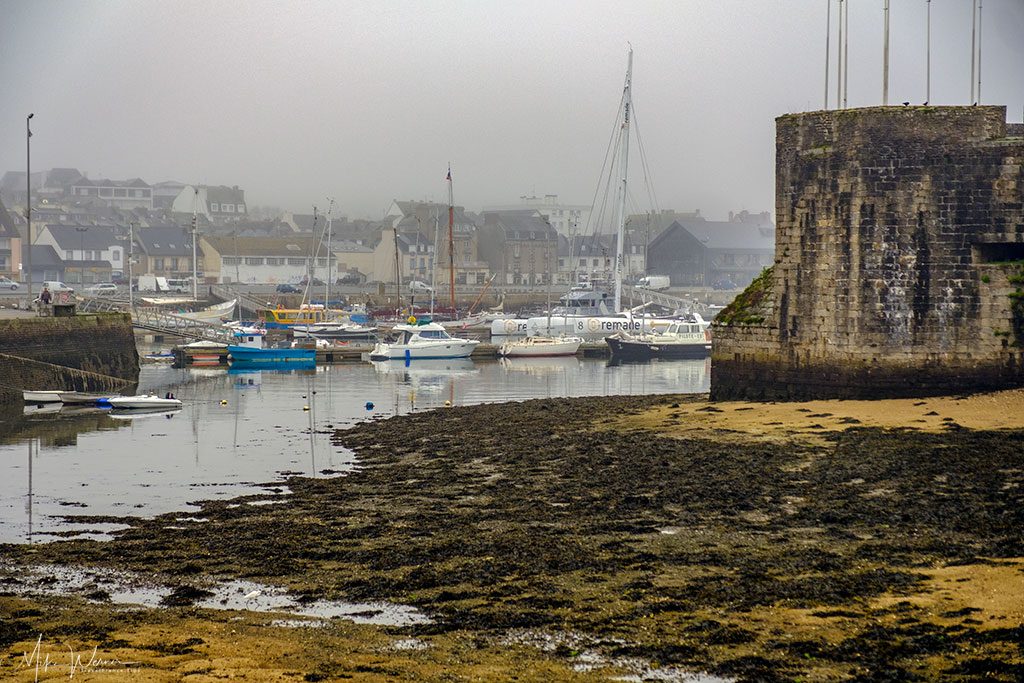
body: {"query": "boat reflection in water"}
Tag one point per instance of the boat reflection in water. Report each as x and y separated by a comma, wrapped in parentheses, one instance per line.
(540, 367)
(427, 375)
(140, 413)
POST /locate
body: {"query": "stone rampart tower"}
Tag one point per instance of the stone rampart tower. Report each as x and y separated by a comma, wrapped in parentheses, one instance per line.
(899, 260)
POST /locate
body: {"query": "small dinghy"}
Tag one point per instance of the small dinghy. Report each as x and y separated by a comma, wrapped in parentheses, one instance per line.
(143, 402)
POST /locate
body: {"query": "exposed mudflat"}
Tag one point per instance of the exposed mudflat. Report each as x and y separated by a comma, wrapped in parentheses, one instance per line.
(582, 539)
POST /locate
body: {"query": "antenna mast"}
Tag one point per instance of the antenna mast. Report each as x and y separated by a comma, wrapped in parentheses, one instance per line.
(195, 230)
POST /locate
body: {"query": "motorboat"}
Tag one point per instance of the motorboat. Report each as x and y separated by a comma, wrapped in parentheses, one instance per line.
(249, 347)
(423, 341)
(532, 347)
(682, 339)
(41, 396)
(141, 402)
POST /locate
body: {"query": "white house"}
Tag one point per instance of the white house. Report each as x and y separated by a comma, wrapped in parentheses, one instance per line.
(86, 244)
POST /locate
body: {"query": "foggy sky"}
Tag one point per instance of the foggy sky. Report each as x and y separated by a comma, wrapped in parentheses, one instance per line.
(369, 101)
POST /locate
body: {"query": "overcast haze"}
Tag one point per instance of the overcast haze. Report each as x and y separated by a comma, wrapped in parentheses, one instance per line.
(369, 101)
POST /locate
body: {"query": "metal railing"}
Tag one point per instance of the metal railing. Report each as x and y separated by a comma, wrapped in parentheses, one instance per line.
(157, 320)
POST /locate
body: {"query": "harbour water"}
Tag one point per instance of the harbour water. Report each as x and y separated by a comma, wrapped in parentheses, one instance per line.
(244, 432)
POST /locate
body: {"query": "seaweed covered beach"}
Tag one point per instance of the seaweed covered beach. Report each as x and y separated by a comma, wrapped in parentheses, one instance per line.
(585, 539)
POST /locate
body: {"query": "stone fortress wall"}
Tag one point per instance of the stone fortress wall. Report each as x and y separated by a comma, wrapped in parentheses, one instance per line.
(899, 260)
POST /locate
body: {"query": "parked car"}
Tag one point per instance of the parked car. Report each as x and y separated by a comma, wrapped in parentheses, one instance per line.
(317, 282)
(8, 283)
(56, 286)
(287, 289)
(101, 289)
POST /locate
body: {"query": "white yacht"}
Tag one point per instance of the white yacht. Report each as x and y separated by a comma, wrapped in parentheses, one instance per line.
(423, 341)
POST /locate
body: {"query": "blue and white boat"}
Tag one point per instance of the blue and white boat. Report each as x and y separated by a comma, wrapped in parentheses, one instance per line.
(249, 348)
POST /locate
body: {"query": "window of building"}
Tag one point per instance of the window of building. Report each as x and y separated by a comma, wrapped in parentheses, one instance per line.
(105, 192)
(296, 262)
(241, 208)
(215, 207)
(139, 194)
(158, 264)
(69, 255)
(232, 261)
(321, 262)
(120, 192)
(115, 255)
(227, 208)
(253, 261)
(273, 261)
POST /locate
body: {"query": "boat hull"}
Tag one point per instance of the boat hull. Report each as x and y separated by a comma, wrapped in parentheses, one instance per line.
(643, 350)
(142, 403)
(254, 355)
(527, 349)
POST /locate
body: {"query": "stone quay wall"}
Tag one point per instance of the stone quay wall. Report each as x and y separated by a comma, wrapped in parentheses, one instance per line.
(899, 259)
(84, 353)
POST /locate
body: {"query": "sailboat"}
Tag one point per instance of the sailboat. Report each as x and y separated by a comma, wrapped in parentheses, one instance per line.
(584, 311)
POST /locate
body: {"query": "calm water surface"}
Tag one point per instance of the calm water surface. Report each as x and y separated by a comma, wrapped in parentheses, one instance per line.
(243, 432)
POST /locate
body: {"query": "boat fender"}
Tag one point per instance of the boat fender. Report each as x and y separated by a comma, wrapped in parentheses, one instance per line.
(305, 408)
(369, 405)
(223, 402)
(447, 404)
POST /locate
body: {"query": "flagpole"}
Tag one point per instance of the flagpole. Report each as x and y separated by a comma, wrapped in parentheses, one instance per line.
(828, 35)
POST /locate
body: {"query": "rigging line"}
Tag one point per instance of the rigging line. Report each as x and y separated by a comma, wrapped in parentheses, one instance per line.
(652, 194)
(607, 155)
(644, 162)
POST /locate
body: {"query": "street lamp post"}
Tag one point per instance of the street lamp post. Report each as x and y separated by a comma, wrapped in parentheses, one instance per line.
(131, 257)
(81, 230)
(28, 200)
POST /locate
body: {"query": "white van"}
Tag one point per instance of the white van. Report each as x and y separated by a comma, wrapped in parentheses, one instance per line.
(55, 286)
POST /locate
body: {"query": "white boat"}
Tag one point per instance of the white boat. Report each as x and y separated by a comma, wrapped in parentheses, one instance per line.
(142, 402)
(533, 347)
(41, 396)
(221, 311)
(423, 341)
(205, 344)
(335, 330)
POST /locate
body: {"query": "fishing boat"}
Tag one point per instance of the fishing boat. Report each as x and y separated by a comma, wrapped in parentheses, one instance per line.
(422, 342)
(249, 347)
(533, 347)
(41, 396)
(682, 339)
(141, 402)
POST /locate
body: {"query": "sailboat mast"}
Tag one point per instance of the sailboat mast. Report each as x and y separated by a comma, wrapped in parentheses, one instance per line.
(327, 285)
(451, 240)
(627, 103)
